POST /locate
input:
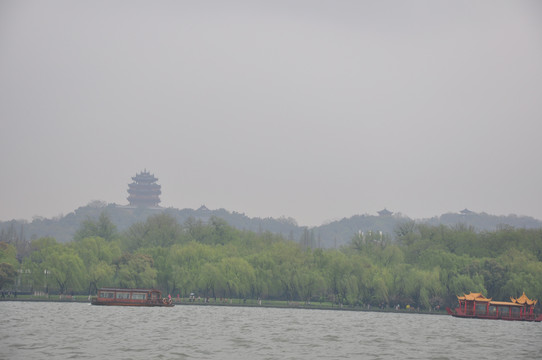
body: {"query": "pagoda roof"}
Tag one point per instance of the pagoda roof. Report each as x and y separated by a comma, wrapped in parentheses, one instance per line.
(523, 299)
(384, 212)
(145, 176)
(466, 211)
(474, 297)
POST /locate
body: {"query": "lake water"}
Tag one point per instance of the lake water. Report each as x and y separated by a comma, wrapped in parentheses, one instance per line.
(31, 330)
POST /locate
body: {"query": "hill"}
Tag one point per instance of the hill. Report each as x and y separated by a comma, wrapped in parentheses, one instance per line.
(64, 227)
(333, 234)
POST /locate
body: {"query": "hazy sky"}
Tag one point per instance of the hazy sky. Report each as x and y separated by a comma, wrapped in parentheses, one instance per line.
(315, 110)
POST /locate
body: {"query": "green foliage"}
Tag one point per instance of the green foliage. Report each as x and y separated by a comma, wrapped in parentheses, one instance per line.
(57, 265)
(8, 264)
(67, 269)
(426, 266)
(160, 230)
(136, 271)
(96, 249)
(210, 279)
(103, 228)
(8, 274)
(237, 276)
(8, 254)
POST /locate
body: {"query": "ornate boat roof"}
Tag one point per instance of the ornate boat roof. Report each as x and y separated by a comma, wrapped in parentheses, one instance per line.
(523, 299)
(474, 296)
(478, 297)
(505, 303)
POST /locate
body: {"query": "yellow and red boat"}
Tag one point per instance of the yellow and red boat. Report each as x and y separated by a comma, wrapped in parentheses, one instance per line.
(476, 305)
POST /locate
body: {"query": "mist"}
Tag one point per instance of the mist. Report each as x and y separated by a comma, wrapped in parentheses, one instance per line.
(314, 110)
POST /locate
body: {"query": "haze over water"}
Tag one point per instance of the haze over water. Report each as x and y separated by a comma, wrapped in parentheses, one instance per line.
(76, 330)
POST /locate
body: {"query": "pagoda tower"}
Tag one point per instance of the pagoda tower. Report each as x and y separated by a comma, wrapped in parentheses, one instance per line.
(144, 192)
(385, 212)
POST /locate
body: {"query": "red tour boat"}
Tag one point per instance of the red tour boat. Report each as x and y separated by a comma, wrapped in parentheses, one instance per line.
(475, 305)
(130, 297)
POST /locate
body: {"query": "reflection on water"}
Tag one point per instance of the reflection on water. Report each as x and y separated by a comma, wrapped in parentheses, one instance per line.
(75, 330)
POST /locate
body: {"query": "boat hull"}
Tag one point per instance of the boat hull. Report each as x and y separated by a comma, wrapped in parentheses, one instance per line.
(460, 314)
(130, 303)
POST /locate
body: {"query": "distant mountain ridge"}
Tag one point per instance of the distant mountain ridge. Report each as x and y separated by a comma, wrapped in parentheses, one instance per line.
(334, 234)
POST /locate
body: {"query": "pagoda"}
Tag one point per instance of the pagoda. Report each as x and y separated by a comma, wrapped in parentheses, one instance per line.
(144, 192)
(385, 212)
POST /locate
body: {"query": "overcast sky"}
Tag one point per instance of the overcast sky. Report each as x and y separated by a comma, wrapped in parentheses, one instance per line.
(315, 110)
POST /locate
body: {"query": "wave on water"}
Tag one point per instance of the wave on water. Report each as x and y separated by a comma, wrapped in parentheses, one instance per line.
(77, 330)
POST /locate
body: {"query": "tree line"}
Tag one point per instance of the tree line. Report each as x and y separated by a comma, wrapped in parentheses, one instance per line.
(420, 265)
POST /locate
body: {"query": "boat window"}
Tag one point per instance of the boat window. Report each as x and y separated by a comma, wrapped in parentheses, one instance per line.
(107, 294)
(515, 312)
(123, 295)
(139, 296)
(504, 311)
(481, 309)
(493, 310)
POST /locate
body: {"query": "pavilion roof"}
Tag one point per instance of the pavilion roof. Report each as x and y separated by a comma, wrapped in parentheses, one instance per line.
(474, 296)
(523, 299)
(385, 212)
(504, 303)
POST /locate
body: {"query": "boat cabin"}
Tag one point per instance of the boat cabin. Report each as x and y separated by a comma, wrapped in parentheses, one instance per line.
(130, 297)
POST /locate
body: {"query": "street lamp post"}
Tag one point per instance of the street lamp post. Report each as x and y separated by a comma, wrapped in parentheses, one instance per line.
(22, 279)
(46, 272)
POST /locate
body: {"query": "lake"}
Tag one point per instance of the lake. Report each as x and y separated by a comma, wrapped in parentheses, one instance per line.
(32, 330)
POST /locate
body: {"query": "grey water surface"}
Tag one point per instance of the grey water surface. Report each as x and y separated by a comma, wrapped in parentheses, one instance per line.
(49, 330)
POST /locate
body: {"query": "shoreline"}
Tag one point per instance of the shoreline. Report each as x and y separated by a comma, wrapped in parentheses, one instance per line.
(269, 306)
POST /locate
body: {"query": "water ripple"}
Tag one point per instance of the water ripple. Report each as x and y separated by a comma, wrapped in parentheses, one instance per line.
(69, 331)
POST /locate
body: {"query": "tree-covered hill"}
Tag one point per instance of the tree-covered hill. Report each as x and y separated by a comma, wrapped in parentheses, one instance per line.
(331, 235)
(338, 233)
(485, 222)
(425, 267)
(63, 227)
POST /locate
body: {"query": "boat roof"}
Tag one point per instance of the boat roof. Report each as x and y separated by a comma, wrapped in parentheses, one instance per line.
(474, 296)
(523, 299)
(124, 289)
(504, 303)
(478, 297)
